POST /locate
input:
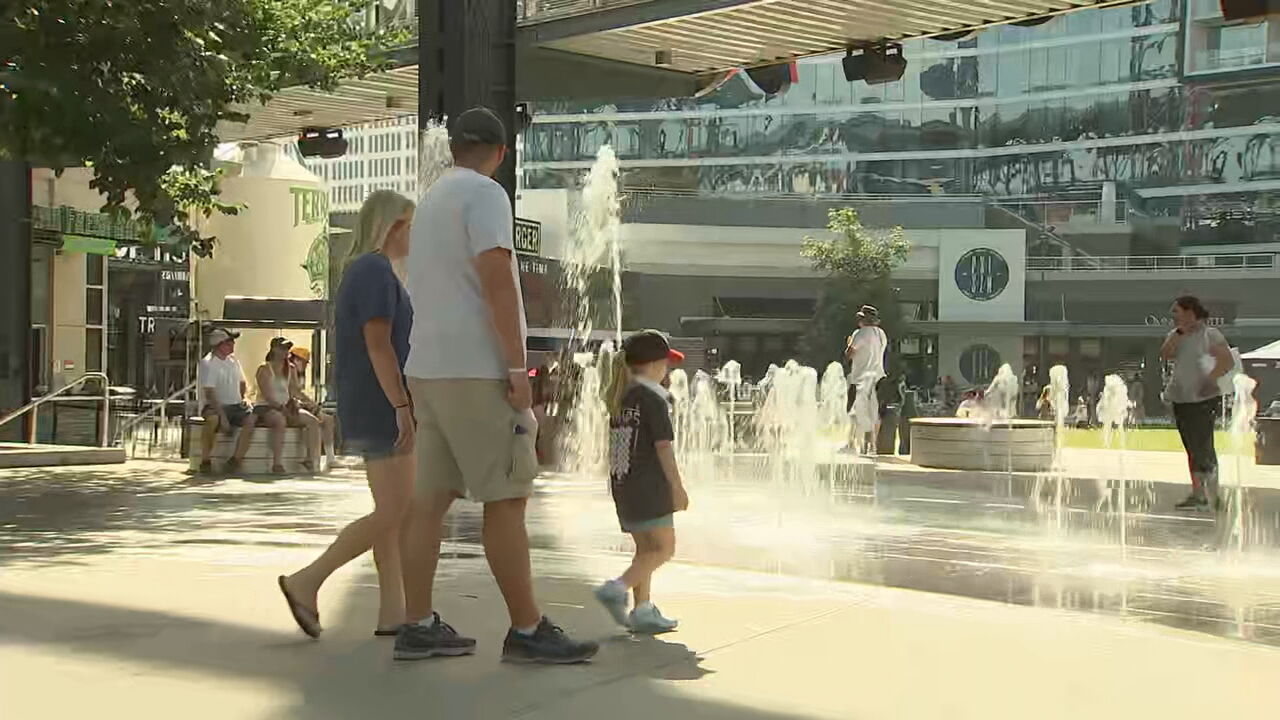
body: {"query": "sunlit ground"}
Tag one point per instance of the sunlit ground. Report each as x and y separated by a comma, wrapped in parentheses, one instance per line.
(1153, 439)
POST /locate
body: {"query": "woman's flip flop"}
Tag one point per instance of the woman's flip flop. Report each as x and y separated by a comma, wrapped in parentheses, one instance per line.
(308, 620)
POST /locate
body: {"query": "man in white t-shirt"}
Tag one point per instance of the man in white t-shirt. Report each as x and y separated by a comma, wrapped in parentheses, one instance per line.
(222, 399)
(471, 396)
(866, 352)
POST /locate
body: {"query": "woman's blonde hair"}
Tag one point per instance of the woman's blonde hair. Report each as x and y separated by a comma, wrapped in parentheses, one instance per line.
(617, 376)
(380, 212)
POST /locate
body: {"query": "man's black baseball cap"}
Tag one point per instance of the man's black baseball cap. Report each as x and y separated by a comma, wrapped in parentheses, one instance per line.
(479, 125)
(649, 346)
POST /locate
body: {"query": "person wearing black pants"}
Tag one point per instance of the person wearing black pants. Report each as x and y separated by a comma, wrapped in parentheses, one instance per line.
(1200, 357)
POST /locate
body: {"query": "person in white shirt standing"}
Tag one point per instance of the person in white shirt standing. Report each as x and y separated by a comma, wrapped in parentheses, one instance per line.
(222, 399)
(471, 397)
(866, 352)
(1200, 357)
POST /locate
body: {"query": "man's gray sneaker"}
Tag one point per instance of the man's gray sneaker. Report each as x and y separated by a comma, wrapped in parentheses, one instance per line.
(613, 596)
(548, 644)
(419, 642)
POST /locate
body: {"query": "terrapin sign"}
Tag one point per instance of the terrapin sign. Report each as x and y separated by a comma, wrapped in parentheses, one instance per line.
(982, 274)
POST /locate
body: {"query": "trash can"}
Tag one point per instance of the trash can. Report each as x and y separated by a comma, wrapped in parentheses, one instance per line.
(1268, 441)
(888, 430)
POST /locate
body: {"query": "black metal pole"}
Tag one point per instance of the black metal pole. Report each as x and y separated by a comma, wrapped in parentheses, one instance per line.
(15, 292)
(467, 57)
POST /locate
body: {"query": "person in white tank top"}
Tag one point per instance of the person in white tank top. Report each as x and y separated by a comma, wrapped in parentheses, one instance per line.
(866, 351)
(276, 405)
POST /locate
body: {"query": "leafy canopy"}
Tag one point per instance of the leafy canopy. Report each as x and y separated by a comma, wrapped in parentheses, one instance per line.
(855, 253)
(135, 89)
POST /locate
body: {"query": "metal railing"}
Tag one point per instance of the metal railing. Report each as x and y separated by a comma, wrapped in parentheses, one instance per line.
(657, 192)
(33, 407)
(164, 436)
(1157, 263)
(534, 10)
(1073, 254)
(1060, 212)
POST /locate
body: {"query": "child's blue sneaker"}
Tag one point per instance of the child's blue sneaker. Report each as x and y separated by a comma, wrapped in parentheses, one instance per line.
(613, 596)
(648, 620)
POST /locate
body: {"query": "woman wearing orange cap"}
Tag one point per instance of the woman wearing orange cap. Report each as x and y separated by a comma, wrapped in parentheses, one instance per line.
(301, 359)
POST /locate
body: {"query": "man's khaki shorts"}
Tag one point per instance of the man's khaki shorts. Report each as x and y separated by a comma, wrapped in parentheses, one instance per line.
(465, 439)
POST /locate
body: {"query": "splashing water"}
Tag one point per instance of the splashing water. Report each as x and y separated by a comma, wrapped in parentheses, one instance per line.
(730, 376)
(587, 439)
(833, 404)
(1113, 407)
(1113, 410)
(1001, 400)
(708, 436)
(1060, 400)
(1244, 412)
(434, 155)
(787, 427)
(864, 414)
(1060, 397)
(594, 246)
(678, 386)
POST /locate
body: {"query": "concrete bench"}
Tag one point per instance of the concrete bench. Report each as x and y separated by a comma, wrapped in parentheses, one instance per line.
(257, 461)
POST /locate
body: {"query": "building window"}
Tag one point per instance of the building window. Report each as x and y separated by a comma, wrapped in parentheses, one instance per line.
(1214, 45)
(41, 315)
(95, 318)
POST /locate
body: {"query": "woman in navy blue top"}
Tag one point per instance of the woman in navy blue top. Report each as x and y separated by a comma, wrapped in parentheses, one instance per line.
(372, 318)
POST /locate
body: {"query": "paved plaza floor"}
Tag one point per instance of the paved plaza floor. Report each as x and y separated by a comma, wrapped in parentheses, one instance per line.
(137, 591)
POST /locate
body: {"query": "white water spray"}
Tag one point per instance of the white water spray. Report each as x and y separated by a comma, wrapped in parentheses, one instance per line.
(434, 156)
(1113, 409)
(1244, 412)
(730, 376)
(594, 246)
(833, 404)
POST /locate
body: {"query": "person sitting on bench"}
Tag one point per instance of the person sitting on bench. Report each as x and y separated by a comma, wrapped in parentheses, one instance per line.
(222, 400)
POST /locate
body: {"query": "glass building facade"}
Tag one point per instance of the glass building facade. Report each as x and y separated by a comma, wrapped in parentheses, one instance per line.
(1180, 110)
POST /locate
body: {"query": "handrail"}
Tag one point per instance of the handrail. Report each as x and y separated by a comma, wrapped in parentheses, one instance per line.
(644, 191)
(1045, 232)
(1158, 263)
(163, 404)
(33, 407)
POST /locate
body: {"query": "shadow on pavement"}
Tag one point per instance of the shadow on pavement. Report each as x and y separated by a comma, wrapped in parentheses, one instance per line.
(349, 674)
(50, 515)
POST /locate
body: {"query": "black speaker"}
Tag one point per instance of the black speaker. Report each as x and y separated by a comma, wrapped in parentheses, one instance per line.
(875, 65)
(322, 142)
(1236, 10)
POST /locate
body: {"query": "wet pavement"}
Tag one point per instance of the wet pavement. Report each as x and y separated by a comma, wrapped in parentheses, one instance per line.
(981, 539)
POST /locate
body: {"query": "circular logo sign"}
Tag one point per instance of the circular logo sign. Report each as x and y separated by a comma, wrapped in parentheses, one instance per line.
(982, 274)
(978, 363)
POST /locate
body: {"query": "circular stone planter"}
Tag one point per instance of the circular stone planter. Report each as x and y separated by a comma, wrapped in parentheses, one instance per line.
(966, 444)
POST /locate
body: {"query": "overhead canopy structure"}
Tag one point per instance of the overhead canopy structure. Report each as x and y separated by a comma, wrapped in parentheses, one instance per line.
(380, 96)
(704, 36)
(1266, 352)
(649, 48)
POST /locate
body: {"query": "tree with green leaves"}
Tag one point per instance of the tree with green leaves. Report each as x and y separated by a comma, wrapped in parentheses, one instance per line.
(857, 262)
(136, 89)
